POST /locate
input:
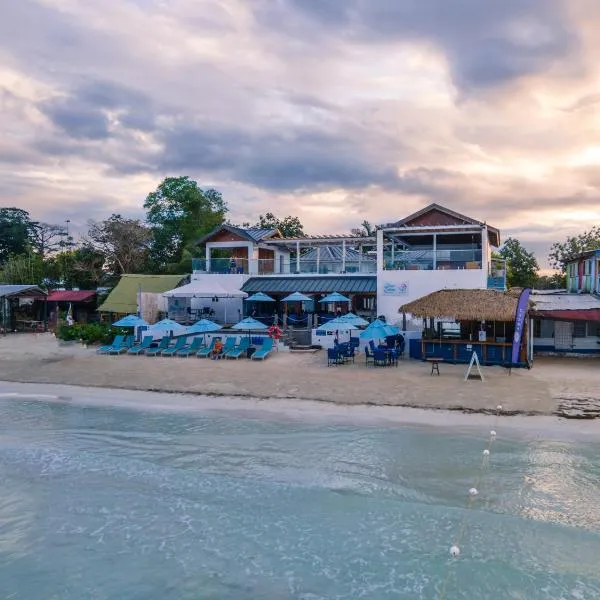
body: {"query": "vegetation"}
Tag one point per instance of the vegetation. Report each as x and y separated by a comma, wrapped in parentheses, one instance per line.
(562, 252)
(521, 265)
(288, 226)
(89, 333)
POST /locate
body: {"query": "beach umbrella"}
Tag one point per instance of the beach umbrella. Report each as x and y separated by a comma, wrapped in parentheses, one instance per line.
(130, 321)
(378, 330)
(249, 324)
(296, 297)
(338, 324)
(260, 297)
(166, 326)
(204, 326)
(354, 319)
(334, 297)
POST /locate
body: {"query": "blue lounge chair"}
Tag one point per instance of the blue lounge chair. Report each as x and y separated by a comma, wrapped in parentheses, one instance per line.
(127, 343)
(141, 348)
(196, 345)
(156, 350)
(240, 349)
(228, 346)
(206, 350)
(116, 343)
(264, 350)
(180, 344)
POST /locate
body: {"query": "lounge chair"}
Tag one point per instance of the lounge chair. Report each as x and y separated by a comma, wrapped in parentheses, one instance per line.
(180, 344)
(116, 343)
(127, 343)
(196, 345)
(240, 349)
(264, 350)
(206, 350)
(141, 348)
(228, 346)
(163, 345)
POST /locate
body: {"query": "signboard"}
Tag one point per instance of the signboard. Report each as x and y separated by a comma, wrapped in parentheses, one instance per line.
(522, 307)
(395, 289)
(482, 336)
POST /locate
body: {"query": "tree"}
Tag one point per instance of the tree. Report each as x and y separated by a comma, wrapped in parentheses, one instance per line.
(365, 230)
(81, 268)
(123, 242)
(179, 212)
(15, 232)
(26, 268)
(288, 226)
(47, 238)
(556, 281)
(522, 266)
(563, 252)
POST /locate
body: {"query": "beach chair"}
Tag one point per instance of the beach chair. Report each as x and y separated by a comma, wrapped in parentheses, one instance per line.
(264, 350)
(369, 357)
(334, 357)
(380, 358)
(197, 344)
(206, 350)
(241, 348)
(228, 346)
(117, 342)
(163, 345)
(180, 344)
(127, 343)
(141, 348)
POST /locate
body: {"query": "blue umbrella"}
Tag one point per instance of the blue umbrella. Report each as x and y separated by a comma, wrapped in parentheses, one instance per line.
(354, 319)
(130, 321)
(296, 297)
(204, 326)
(260, 297)
(334, 297)
(249, 324)
(165, 326)
(377, 330)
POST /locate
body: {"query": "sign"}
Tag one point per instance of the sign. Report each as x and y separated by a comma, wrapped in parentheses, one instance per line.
(520, 314)
(474, 363)
(482, 336)
(395, 289)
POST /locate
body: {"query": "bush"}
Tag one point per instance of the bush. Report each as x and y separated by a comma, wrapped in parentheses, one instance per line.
(89, 333)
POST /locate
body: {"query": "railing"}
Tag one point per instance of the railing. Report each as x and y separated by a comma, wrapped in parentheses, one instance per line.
(497, 274)
(430, 259)
(271, 266)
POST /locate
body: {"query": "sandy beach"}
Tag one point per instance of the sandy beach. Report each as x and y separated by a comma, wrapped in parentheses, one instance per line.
(567, 387)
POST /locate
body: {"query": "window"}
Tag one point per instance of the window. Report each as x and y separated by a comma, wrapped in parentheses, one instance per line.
(543, 328)
(579, 329)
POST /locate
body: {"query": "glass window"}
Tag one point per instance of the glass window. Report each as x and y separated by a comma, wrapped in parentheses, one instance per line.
(579, 329)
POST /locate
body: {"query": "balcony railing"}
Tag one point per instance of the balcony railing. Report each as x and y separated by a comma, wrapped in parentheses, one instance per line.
(428, 260)
(271, 267)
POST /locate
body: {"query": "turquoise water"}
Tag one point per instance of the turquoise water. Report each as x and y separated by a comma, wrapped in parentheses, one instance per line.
(104, 503)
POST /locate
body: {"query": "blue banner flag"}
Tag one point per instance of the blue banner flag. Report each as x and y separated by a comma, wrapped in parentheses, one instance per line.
(520, 315)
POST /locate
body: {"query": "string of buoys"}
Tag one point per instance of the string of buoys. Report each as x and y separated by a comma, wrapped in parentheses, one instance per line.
(473, 492)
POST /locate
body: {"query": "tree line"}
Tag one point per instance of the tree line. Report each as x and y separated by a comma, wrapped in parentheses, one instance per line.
(177, 214)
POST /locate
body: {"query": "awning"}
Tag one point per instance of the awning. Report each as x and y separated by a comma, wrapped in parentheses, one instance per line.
(21, 291)
(592, 314)
(343, 284)
(71, 296)
(204, 288)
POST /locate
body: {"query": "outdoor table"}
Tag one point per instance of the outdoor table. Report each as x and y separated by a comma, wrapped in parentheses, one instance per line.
(435, 362)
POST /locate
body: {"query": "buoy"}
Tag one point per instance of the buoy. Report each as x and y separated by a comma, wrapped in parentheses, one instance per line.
(486, 452)
(499, 407)
(473, 492)
(493, 433)
(455, 551)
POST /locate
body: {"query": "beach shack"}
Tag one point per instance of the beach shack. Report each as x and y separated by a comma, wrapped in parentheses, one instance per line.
(458, 322)
(19, 310)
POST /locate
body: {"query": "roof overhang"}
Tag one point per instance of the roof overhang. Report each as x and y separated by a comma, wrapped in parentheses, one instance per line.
(590, 314)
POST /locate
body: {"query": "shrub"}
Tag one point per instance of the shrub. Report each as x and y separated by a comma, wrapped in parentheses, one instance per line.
(89, 333)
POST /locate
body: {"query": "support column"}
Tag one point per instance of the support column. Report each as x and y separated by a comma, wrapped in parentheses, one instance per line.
(360, 253)
(297, 257)
(434, 251)
(380, 249)
(343, 256)
(207, 267)
(318, 258)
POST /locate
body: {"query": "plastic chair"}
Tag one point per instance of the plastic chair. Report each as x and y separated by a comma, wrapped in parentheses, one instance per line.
(141, 348)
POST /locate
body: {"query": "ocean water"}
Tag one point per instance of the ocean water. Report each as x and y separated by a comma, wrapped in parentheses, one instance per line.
(105, 503)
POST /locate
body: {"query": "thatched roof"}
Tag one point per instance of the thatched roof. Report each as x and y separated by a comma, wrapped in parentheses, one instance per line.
(466, 305)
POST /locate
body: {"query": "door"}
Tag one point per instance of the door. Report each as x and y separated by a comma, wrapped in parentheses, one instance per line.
(563, 335)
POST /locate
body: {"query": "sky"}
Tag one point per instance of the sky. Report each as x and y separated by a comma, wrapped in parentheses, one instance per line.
(332, 110)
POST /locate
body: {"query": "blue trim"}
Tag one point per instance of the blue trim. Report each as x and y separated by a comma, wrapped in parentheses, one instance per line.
(572, 351)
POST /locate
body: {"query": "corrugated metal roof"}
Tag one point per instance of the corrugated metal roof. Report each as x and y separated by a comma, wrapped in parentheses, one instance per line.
(312, 285)
(334, 253)
(565, 301)
(254, 234)
(70, 295)
(20, 290)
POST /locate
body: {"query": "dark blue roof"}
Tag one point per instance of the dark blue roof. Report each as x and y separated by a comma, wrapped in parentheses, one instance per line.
(344, 284)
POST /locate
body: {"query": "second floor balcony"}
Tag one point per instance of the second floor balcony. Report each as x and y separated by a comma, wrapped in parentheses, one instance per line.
(433, 260)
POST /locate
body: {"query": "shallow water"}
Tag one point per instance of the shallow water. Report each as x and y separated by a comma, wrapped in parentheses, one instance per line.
(106, 503)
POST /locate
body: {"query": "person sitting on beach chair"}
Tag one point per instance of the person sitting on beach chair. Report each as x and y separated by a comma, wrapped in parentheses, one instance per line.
(217, 349)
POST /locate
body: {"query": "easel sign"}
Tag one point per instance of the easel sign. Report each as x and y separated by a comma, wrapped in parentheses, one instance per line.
(474, 362)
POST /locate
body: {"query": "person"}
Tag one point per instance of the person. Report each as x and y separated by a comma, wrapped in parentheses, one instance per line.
(217, 349)
(232, 265)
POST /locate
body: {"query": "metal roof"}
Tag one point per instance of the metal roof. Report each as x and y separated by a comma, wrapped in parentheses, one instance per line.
(71, 295)
(26, 291)
(564, 301)
(335, 254)
(348, 284)
(254, 234)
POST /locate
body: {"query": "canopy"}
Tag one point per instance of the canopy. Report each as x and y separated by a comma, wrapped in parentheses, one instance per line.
(130, 321)
(338, 324)
(335, 297)
(165, 326)
(249, 324)
(204, 288)
(354, 319)
(260, 297)
(377, 330)
(296, 297)
(204, 326)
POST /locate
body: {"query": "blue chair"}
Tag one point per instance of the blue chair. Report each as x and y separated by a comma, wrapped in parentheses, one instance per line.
(369, 357)
(334, 357)
(380, 358)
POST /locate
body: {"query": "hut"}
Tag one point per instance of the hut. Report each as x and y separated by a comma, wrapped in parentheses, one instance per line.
(458, 322)
(19, 310)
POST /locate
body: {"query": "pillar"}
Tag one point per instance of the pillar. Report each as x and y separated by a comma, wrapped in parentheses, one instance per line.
(318, 258)
(343, 256)
(380, 249)
(207, 266)
(434, 251)
(297, 257)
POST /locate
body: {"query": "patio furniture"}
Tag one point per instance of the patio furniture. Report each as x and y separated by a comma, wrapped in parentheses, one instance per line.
(206, 350)
(334, 357)
(264, 350)
(435, 363)
(381, 358)
(117, 342)
(141, 348)
(162, 345)
(228, 346)
(369, 357)
(127, 343)
(195, 346)
(241, 348)
(180, 344)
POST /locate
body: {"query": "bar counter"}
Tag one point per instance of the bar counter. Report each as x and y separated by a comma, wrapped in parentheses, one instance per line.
(461, 351)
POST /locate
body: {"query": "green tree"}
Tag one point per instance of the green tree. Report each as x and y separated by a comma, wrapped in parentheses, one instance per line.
(124, 243)
(366, 229)
(179, 212)
(26, 268)
(81, 267)
(522, 266)
(563, 252)
(288, 226)
(16, 229)
(47, 238)
(557, 281)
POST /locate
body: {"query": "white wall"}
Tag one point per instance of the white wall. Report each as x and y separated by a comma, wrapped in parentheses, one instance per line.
(411, 285)
(231, 282)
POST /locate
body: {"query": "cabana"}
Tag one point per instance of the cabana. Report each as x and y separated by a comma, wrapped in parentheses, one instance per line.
(18, 310)
(458, 322)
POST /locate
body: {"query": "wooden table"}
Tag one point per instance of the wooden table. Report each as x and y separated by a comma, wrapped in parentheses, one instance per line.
(435, 363)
